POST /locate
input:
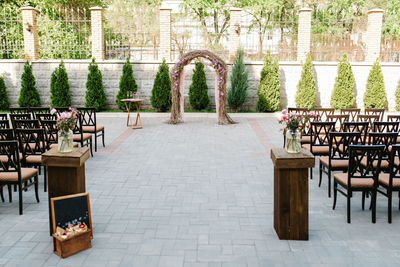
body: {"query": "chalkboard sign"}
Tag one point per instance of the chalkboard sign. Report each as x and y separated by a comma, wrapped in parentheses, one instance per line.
(70, 209)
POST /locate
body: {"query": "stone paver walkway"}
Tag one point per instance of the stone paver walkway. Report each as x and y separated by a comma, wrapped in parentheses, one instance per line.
(196, 194)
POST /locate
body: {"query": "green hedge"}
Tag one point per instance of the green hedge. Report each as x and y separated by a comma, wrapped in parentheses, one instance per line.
(375, 95)
(28, 95)
(95, 95)
(59, 87)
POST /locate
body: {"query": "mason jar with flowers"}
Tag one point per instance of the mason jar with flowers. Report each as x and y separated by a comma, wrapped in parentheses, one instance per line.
(66, 122)
(294, 126)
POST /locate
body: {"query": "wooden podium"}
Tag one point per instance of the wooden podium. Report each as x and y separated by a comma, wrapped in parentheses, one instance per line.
(65, 172)
(291, 193)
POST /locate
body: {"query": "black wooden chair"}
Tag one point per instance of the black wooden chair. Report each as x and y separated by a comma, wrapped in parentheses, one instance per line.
(19, 116)
(385, 139)
(390, 182)
(319, 145)
(352, 112)
(26, 124)
(32, 143)
(375, 111)
(338, 159)
(359, 177)
(368, 118)
(6, 134)
(89, 124)
(12, 173)
(46, 116)
(84, 139)
(3, 116)
(41, 110)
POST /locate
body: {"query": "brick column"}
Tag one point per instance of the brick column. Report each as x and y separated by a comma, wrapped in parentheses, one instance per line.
(234, 31)
(31, 41)
(165, 32)
(97, 21)
(304, 34)
(374, 31)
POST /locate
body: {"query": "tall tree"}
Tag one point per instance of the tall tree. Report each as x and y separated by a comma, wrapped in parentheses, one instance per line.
(161, 92)
(375, 95)
(126, 83)
(212, 14)
(59, 87)
(269, 95)
(342, 94)
(29, 95)
(306, 88)
(95, 96)
(237, 93)
(198, 90)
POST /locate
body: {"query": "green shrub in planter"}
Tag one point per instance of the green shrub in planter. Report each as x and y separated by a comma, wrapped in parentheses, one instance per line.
(375, 96)
(29, 95)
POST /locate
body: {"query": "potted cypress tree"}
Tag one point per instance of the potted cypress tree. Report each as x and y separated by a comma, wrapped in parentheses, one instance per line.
(161, 92)
(342, 94)
(95, 95)
(59, 87)
(375, 95)
(198, 90)
(306, 88)
(237, 93)
(4, 103)
(127, 84)
(269, 88)
(29, 95)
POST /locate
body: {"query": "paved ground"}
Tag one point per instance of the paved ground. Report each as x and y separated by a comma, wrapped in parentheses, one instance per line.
(196, 194)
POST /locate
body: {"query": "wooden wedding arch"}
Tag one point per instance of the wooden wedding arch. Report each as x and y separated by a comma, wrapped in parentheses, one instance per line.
(177, 88)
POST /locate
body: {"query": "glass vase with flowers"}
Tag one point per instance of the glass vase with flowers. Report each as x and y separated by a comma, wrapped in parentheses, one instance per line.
(66, 122)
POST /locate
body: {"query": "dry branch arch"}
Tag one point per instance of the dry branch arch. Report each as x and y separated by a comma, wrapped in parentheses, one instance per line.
(177, 87)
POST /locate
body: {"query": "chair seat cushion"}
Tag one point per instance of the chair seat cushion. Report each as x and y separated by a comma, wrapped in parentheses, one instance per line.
(316, 149)
(90, 129)
(34, 159)
(86, 136)
(305, 139)
(26, 173)
(384, 179)
(4, 158)
(355, 182)
(335, 163)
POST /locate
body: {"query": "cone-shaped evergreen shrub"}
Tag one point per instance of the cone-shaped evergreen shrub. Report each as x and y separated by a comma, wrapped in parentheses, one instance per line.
(59, 87)
(342, 94)
(306, 89)
(4, 103)
(375, 96)
(161, 92)
(397, 94)
(198, 90)
(237, 93)
(269, 88)
(29, 95)
(126, 83)
(95, 95)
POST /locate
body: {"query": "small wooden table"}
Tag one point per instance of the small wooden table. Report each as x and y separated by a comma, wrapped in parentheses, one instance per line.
(66, 173)
(291, 193)
(138, 102)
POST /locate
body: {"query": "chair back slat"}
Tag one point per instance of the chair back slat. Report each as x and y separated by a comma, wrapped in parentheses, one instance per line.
(368, 118)
(3, 116)
(393, 118)
(322, 113)
(31, 141)
(357, 126)
(352, 112)
(386, 126)
(385, 139)
(394, 166)
(4, 124)
(19, 116)
(375, 111)
(301, 111)
(319, 133)
(88, 116)
(46, 116)
(51, 132)
(20, 110)
(339, 120)
(339, 143)
(6, 134)
(26, 124)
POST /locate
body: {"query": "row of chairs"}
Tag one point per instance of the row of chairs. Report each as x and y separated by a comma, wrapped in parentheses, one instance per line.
(364, 151)
(28, 133)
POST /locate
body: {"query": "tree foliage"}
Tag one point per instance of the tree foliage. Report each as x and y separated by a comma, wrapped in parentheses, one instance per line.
(161, 92)
(269, 95)
(59, 87)
(28, 95)
(4, 103)
(397, 95)
(375, 95)
(95, 96)
(126, 83)
(306, 88)
(198, 90)
(342, 94)
(237, 93)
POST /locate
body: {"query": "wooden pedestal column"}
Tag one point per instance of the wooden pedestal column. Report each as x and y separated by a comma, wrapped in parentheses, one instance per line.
(65, 172)
(291, 193)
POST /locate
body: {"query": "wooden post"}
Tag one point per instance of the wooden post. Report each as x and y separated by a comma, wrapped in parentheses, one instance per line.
(65, 172)
(291, 193)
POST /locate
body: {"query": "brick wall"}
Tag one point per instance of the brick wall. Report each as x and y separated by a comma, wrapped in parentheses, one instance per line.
(145, 72)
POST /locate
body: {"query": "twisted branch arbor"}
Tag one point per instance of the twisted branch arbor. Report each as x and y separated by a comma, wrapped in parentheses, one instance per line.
(177, 89)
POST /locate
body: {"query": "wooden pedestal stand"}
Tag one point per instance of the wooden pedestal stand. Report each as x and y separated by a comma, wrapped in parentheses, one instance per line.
(291, 193)
(66, 173)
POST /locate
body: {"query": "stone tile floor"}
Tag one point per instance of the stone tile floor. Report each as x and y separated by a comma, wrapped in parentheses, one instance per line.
(196, 194)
